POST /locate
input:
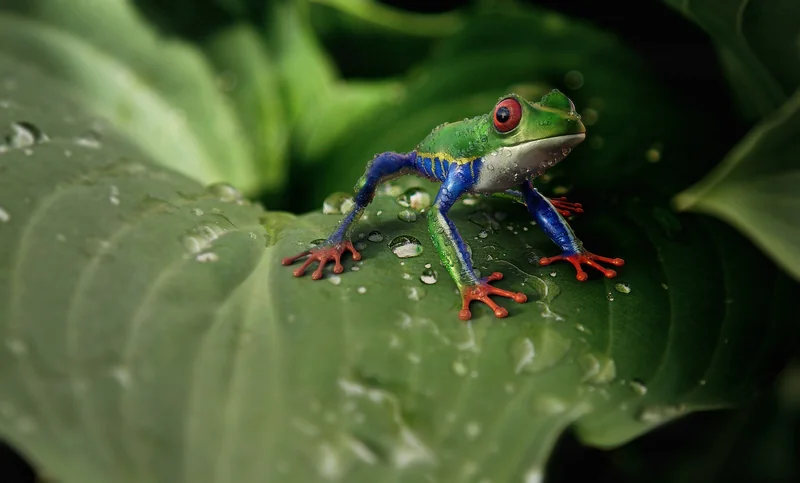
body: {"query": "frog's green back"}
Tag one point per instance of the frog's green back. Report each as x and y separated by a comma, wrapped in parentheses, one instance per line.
(459, 142)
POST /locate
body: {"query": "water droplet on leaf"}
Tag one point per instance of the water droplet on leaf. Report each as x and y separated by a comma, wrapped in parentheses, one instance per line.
(622, 287)
(428, 276)
(405, 246)
(338, 203)
(375, 236)
(598, 368)
(415, 198)
(407, 216)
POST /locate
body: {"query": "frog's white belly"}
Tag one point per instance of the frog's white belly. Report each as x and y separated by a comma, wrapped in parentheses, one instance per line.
(508, 167)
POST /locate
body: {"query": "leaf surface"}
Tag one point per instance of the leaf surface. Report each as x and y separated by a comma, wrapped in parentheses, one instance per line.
(149, 332)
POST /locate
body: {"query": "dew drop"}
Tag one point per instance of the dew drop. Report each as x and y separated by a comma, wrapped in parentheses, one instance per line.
(407, 215)
(653, 155)
(122, 375)
(360, 246)
(537, 350)
(375, 236)
(4, 216)
(472, 429)
(482, 234)
(660, 414)
(207, 257)
(597, 368)
(638, 387)
(90, 139)
(362, 290)
(415, 198)
(338, 203)
(198, 212)
(459, 368)
(610, 297)
(224, 192)
(622, 287)
(405, 246)
(113, 195)
(335, 279)
(428, 276)
(24, 134)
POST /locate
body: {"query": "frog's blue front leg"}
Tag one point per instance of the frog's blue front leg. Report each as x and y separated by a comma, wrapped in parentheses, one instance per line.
(383, 167)
(559, 231)
(566, 208)
(453, 251)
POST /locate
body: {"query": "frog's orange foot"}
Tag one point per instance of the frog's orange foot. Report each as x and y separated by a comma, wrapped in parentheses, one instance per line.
(481, 291)
(323, 254)
(576, 259)
(566, 208)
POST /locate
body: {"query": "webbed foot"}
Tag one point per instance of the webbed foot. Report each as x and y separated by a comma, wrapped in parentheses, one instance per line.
(323, 254)
(576, 259)
(566, 208)
(481, 291)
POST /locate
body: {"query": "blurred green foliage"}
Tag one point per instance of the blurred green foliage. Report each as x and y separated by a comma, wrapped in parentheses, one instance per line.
(288, 99)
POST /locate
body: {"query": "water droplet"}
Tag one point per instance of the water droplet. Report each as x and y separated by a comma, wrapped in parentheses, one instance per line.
(428, 276)
(375, 236)
(201, 238)
(610, 297)
(665, 286)
(660, 414)
(413, 358)
(459, 368)
(362, 290)
(360, 246)
(90, 139)
(573, 80)
(539, 349)
(472, 429)
(598, 368)
(338, 203)
(638, 387)
(622, 287)
(207, 257)
(405, 246)
(4, 216)
(113, 195)
(122, 375)
(224, 192)
(24, 134)
(653, 155)
(199, 212)
(335, 279)
(415, 198)
(482, 234)
(407, 216)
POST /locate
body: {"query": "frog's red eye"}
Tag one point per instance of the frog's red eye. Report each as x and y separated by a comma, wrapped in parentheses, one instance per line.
(507, 114)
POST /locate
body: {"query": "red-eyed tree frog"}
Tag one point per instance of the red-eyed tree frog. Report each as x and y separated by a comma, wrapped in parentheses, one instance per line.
(498, 153)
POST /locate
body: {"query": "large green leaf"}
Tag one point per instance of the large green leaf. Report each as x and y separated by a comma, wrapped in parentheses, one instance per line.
(757, 45)
(755, 188)
(161, 93)
(635, 134)
(148, 334)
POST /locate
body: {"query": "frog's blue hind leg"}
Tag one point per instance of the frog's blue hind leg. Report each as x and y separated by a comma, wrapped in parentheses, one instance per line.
(558, 230)
(383, 167)
(566, 208)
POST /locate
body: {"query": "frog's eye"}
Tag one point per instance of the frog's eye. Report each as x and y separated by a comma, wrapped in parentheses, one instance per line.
(507, 114)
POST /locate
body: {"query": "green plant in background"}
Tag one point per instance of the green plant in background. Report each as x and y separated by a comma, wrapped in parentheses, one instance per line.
(150, 333)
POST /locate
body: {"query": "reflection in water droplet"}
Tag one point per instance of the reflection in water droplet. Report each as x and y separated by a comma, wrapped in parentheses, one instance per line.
(405, 246)
(407, 215)
(638, 387)
(338, 203)
(610, 297)
(415, 198)
(4, 216)
(335, 279)
(622, 287)
(428, 276)
(362, 290)
(375, 236)
(541, 348)
(598, 368)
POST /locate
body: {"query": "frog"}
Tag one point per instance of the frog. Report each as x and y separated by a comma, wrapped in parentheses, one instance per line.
(496, 154)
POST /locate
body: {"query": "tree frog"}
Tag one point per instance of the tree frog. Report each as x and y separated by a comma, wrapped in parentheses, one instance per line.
(496, 154)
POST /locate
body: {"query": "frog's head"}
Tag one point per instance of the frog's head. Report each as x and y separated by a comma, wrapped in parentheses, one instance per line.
(535, 135)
